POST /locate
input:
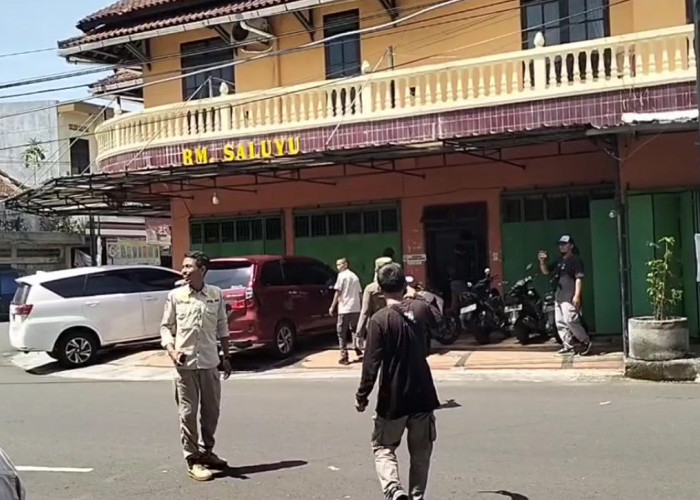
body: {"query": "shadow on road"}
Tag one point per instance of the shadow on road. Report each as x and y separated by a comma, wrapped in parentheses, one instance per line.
(243, 471)
(507, 494)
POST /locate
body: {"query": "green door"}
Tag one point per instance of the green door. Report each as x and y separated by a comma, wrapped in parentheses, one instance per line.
(238, 236)
(650, 218)
(358, 234)
(606, 267)
(534, 222)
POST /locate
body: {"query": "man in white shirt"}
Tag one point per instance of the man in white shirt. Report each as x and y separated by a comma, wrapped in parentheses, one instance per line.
(348, 301)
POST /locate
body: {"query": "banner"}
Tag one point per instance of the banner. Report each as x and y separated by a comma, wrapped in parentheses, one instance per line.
(132, 252)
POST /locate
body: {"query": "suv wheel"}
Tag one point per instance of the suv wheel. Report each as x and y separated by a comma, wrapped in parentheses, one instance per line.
(285, 339)
(76, 348)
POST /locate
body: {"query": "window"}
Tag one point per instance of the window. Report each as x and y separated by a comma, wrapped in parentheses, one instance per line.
(273, 228)
(512, 210)
(228, 275)
(271, 274)
(228, 231)
(579, 206)
(243, 230)
(371, 221)
(689, 12)
(390, 220)
(564, 21)
(156, 280)
(318, 225)
(79, 156)
(109, 283)
(299, 273)
(294, 273)
(385, 220)
(556, 207)
(335, 224)
(200, 55)
(67, 287)
(534, 208)
(342, 54)
(353, 223)
(196, 234)
(211, 232)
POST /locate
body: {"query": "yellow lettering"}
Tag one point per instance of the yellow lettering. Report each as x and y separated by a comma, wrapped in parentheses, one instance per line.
(241, 154)
(279, 143)
(187, 157)
(229, 153)
(266, 147)
(202, 155)
(293, 146)
(252, 152)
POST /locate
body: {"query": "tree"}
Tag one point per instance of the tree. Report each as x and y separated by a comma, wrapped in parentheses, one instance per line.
(33, 156)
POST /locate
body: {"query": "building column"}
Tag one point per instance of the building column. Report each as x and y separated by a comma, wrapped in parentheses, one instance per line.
(413, 236)
(288, 231)
(180, 232)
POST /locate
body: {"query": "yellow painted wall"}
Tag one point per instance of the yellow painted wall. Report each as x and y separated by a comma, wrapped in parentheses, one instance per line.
(468, 29)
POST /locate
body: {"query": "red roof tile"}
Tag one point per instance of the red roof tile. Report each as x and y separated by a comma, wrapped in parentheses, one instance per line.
(122, 8)
(167, 19)
(8, 186)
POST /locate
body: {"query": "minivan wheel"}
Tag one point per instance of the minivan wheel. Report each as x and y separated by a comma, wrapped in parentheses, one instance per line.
(76, 348)
(285, 341)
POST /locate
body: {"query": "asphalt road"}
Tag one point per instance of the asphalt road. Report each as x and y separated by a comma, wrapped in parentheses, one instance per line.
(302, 439)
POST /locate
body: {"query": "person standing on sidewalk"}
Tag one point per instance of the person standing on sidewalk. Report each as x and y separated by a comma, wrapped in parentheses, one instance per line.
(194, 318)
(407, 399)
(347, 300)
(568, 275)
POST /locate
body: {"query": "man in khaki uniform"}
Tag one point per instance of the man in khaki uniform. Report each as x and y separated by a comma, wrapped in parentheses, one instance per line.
(372, 299)
(194, 318)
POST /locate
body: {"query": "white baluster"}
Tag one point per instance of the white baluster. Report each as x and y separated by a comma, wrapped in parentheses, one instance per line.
(665, 63)
(691, 52)
(540, 66)
(503, 77)
(626, 53)
(460, 85)
(437, 93)
(514, 80)
(492, 81)
(302, 107)
(450, 94)
(481, 84)
(470, 84)
(677, 55)
(387, 94)
(652, 60)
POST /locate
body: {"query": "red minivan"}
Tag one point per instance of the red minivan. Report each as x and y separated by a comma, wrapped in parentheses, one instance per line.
(273, 300)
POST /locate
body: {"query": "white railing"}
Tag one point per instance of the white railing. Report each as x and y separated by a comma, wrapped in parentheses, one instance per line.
(635, 60)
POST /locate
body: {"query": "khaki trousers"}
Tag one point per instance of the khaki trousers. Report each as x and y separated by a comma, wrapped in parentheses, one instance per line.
(387, 437)
(569, 325)
(195, 389)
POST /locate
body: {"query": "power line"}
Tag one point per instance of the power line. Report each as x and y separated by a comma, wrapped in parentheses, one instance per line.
(331, 82)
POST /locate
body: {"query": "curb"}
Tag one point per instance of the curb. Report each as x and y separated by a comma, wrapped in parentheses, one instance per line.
(676, 370)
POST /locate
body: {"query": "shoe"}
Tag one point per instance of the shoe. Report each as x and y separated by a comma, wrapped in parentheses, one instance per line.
(199, 473)
(399, 495)
(344, 361)
(359, 352)
(210, 459)
(584, 349)
(565, 350)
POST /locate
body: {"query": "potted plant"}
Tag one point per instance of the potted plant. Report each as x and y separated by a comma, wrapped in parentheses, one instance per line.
(663, 336)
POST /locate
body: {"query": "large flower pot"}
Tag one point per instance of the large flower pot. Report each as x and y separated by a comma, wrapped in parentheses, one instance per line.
(652, 340)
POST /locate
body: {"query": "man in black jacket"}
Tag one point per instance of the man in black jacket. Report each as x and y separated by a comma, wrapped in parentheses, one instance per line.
(396, 343)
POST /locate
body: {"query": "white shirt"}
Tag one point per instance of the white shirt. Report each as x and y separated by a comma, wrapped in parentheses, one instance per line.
(349, 292)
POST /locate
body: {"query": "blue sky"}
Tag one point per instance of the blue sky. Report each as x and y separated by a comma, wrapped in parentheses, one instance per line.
(39, 24)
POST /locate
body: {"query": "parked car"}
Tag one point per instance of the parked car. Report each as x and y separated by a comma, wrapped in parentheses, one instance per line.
(71, 314)
(8, 287)
(273, 301)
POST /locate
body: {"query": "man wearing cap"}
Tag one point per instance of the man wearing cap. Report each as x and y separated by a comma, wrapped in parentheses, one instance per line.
(568, 271)
(372, 298)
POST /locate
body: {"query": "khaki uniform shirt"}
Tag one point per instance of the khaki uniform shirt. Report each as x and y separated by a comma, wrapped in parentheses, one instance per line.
(192, 322)
(372, 301)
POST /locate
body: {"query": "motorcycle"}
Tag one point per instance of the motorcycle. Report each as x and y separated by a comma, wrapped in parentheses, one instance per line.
(548, 306)
(481, 309)
(525, 308)
(447, 333)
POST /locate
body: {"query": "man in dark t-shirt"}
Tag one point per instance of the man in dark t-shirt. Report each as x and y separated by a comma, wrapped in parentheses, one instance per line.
(397, 343)
(568, 273)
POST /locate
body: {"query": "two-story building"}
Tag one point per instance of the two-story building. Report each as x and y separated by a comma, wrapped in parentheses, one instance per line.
(456, 132)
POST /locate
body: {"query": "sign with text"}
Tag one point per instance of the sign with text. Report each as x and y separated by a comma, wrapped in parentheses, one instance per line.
(244, 151)
(132, 252)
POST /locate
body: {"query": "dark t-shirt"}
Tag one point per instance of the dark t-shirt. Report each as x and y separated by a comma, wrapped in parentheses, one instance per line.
(397, 342)
(568, 269)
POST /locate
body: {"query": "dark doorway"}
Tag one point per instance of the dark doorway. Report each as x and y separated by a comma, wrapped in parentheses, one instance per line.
(456, 243)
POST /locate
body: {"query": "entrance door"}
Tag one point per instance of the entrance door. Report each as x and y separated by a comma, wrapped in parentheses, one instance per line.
(456, 242)
(359, 234)
(606, 266)
(238, 237)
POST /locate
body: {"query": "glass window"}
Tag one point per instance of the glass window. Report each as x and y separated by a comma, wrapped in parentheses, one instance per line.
(111, 282)
(342, 54)
(201, 55)
(196, 233)
(556, 207)
(243, 230)
(512, 210)
(370, 221)
(579, 206)
(294, 273)
(564, 21)
(211, 232)
(155, 280)
(271, 274)
(319, 274)
(533, 208)
(273, 228)
(228, 231)
(318, 225)
(301, 226)
(227, 275)
(390, 220)
(353, 223)
(67, 287)
(335, 224)
(256, 230)
(79, 156)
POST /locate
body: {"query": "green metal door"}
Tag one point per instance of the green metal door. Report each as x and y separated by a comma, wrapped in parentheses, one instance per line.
(358, 234)
(652, 217)
(533, 222)
(606, 267)
(238, 236)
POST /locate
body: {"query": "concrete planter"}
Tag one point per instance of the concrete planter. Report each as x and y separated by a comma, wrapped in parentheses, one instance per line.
(652, 340)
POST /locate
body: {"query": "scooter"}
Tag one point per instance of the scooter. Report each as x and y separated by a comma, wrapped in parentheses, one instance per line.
(481, 309)
(447, 333)
(525, 309)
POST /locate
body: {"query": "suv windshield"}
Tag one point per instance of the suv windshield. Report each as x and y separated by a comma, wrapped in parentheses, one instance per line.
(227, 275)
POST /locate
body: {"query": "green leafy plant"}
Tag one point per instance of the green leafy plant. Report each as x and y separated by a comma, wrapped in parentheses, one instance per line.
(661, 280)
(33, 156)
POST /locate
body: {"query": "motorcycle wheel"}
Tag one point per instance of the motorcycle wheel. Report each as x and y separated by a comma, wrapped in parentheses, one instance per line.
(482, 335)
(448, 337)
(521, 333)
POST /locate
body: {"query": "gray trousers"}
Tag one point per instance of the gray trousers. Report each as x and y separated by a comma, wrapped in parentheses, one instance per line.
(569, 324)
(347, 323)
(387, 437)
(195, 390)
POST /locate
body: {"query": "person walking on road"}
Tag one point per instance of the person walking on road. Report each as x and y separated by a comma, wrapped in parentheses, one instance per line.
(407, 398)
(348, 302)
(372, 299)
(194, 318)
(568, 275)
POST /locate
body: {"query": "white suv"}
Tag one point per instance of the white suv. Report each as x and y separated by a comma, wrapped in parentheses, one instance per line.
(71, 314)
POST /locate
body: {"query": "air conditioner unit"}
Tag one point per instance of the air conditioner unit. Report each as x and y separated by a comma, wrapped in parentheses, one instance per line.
(249, 39)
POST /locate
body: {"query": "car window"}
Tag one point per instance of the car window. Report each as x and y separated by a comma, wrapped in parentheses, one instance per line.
(155, 280)
(21, 294)
(228, 275)
(308, 273)
(271, 274)
(111, 282)
(320, 274)
(67, 287)
(294, 273)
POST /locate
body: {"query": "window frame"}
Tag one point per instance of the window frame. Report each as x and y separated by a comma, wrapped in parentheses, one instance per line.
(127, 272)
(333, 24)
(564, 25)
(203, 54)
